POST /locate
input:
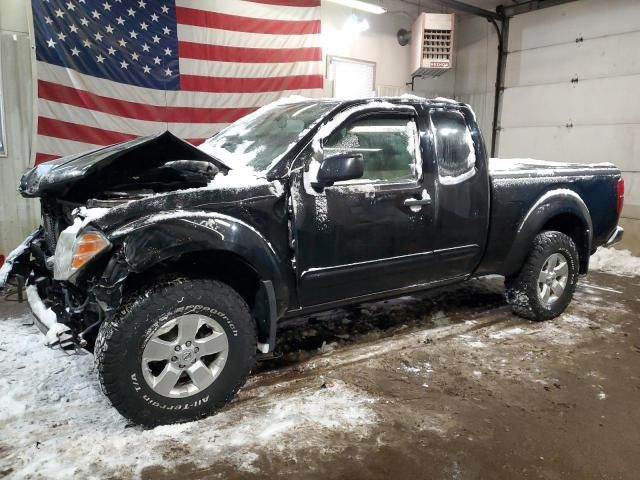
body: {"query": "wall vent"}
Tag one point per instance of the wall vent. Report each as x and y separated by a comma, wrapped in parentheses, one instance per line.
(432, 44)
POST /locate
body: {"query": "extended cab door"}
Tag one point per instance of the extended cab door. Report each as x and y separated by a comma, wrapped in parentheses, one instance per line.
(462, 189)
(370, 235)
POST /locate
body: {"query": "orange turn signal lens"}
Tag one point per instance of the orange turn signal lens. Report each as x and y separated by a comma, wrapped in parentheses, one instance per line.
(87, 246)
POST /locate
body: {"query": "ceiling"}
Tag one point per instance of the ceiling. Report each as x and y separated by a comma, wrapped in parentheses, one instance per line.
(486, 4)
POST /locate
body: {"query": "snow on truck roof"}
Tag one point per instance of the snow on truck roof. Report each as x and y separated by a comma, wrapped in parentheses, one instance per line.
(404, 97)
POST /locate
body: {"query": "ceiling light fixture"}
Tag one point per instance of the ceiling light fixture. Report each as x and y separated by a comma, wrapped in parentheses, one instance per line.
(364, 6)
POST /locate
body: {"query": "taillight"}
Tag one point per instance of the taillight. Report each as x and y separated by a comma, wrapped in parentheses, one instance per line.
(620, 203)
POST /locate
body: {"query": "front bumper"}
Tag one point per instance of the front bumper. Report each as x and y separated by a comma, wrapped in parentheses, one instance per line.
(46, 320)
(615, 237)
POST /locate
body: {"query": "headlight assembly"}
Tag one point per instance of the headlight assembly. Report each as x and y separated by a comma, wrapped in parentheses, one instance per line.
(74, 251)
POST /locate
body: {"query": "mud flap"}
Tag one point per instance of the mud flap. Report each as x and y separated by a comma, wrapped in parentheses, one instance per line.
(265, 314)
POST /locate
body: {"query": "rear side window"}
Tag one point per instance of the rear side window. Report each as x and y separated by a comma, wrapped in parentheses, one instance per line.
(387, 145)
(455, 152)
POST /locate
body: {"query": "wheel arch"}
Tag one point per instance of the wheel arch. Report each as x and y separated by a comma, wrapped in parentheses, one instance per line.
(562, 210)
(214, 246)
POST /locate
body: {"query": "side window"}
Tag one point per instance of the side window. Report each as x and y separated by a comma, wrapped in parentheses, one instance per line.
(455, 151)
(388, 146)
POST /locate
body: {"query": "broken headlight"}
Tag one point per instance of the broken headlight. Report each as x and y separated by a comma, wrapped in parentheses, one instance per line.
(74, 251)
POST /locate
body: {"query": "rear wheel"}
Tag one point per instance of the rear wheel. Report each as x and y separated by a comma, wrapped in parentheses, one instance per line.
(545, 285)
(176, 352)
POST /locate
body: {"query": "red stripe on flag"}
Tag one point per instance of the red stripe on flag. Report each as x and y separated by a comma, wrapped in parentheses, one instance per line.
(198, 83)
(221, 53)
(80, 133)
(123, 108)
(289, 3)
(45, 157)
(223, 21)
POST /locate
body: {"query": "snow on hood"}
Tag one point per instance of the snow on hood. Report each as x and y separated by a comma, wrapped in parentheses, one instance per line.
(235, 182)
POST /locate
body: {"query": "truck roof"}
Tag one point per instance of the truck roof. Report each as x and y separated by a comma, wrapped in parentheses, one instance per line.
(406, 98)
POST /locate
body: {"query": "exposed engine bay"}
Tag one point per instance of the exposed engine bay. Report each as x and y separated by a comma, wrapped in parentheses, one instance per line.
(103, 179)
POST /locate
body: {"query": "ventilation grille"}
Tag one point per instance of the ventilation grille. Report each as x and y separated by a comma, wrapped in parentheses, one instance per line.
(437, 45)
(432, 41)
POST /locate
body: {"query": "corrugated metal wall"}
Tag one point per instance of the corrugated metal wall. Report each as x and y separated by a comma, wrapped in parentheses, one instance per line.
(17, 215)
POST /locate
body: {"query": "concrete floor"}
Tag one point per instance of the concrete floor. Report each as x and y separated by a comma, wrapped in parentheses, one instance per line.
(449, 385)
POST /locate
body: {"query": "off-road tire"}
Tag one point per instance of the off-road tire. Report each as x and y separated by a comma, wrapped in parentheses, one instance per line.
(121, 341)
(522, 288)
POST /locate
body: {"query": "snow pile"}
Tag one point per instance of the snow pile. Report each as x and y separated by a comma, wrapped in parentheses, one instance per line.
(61, 426)
(617, 262)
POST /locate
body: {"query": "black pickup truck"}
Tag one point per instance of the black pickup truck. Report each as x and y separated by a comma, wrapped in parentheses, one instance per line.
(174, 264)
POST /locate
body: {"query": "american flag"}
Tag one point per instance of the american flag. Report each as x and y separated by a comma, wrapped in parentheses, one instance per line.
(112, 70)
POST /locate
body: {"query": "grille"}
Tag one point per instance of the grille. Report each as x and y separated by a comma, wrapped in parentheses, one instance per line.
(50, 231)
(437, 45)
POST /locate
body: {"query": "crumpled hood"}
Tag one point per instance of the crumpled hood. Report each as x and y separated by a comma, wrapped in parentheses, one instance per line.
(83, 175)
(237, 193)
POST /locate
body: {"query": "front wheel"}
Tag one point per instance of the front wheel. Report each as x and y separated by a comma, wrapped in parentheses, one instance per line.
(176, 352)
(544, 287)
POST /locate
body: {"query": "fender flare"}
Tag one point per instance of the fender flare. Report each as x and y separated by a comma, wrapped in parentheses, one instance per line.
(549, 205)
(152, 239)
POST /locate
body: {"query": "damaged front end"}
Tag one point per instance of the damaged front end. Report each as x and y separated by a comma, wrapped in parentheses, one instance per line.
(53, 303)
(71, 273)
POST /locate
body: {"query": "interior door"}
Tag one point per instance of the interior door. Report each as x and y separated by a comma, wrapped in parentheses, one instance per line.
(371, 235)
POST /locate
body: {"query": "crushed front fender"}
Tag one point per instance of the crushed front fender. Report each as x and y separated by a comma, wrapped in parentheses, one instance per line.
(18, 255)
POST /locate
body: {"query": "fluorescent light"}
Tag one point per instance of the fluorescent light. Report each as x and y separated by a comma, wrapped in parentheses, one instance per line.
(364, 6)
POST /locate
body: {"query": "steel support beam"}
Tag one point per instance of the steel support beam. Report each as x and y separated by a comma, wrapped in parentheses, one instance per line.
(503, 40)
(530, 6)
(466, 8)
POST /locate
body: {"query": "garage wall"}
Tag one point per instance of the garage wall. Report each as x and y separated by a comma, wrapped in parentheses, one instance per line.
(17, 215)
(379, 45)
(572, 83)
(475, 71)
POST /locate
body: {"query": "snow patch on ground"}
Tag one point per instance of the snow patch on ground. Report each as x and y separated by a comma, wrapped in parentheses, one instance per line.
(56, 423)
(507, 333)
(616, 262)
(424, 367)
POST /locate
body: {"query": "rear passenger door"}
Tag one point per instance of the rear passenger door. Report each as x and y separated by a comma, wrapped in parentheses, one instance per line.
(462, 184)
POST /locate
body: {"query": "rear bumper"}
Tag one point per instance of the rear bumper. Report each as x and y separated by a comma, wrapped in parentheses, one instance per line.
(615, 237)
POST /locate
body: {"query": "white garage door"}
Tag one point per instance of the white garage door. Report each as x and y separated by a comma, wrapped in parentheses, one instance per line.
(573, 87)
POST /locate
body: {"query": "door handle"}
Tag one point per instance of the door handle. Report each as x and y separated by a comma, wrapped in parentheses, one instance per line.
(418, 202)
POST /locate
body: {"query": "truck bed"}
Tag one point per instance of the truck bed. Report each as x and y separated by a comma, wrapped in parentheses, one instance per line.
(517, 184)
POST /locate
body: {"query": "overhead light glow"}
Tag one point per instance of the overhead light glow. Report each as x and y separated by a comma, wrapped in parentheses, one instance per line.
(364, 6)
(356, 24)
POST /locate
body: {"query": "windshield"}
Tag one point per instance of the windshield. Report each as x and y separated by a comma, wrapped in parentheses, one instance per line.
(260, 139)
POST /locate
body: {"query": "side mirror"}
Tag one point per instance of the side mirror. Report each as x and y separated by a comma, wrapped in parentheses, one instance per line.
(342, 166)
